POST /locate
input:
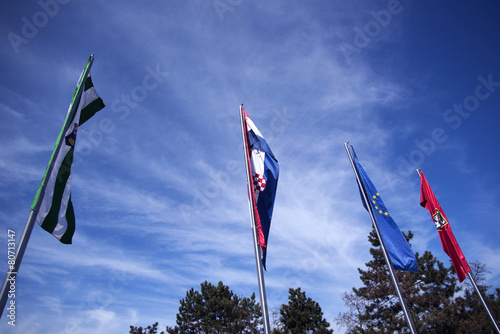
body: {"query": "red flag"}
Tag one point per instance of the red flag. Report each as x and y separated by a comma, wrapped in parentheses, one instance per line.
(448, 241)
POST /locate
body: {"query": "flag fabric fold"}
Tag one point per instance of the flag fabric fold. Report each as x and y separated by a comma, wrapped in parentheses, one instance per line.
(264, 171)
(56, 214)
(400, 253)
(448, 242)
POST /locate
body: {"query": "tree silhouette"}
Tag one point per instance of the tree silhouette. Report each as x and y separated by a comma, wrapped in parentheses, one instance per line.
(301, 315)
(216, 309)
(431, 295)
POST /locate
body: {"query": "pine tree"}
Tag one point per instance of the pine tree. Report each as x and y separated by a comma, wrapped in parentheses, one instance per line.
(301, 316)
(216, 309)
(148, 330)
(429, 295)
(470, 313)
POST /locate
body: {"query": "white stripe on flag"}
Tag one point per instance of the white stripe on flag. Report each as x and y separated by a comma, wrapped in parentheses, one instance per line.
(62, 223)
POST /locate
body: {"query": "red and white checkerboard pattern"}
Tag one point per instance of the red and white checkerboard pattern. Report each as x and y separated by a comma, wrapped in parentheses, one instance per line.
(259, 183)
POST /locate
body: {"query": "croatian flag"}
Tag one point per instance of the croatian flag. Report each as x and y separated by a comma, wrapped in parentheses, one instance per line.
(264, 171)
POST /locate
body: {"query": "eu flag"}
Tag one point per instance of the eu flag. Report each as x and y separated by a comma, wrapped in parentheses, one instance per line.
(400, 253)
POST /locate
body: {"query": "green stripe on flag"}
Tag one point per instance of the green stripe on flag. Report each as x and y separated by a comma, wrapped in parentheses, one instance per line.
(91, 109)
(70, 228)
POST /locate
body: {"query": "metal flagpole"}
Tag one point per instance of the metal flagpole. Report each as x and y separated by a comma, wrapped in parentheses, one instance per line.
(384, 250)
(13, 269)
(257, 249)
(476, 287)
(483, 301)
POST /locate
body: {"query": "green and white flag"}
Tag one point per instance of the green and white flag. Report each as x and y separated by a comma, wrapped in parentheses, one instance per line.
(55, 211)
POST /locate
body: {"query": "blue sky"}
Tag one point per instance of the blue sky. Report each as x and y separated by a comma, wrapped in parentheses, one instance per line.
(159, 182)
